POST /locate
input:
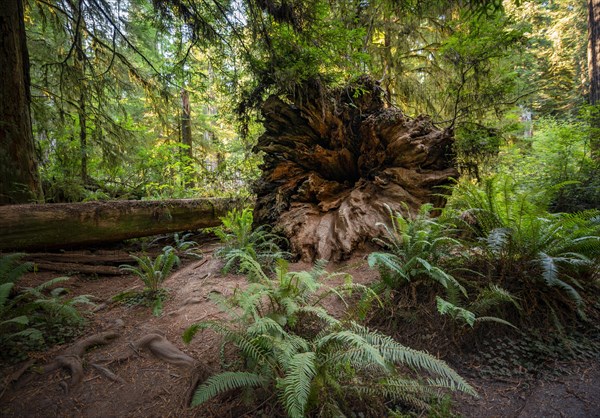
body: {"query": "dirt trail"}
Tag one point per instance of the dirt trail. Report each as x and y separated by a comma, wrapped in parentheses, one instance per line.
(144, 385)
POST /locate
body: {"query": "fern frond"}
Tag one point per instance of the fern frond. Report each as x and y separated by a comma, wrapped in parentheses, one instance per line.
(51, 283)
(11, 268)
(493, 296)
(388, 261)
(5, 289)
(224, 382)
(456, 312)
(551, 277)
(297, 383)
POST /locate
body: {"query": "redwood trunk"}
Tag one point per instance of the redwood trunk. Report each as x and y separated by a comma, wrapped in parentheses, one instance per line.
(594, 72)
(24, 227)
(336, 162)
(19, 180)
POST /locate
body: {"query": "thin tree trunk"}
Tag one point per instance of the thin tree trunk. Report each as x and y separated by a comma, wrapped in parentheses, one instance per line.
(83, 139)
(186, 136)
(594, 72)
(19, 179)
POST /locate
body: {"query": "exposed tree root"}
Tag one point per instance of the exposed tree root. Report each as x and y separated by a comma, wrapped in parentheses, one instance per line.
(72, 359)
(160, 348)
(337, 161)
(164, 349)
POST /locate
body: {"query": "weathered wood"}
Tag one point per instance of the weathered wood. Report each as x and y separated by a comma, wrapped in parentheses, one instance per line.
(25, 227)
(337, 161)
(73, 268)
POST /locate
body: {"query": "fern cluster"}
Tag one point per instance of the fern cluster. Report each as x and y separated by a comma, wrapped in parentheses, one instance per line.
(545, 260)
(333, 370)
(238, 237)
(153, 273)
(423, 250)
(33, 317)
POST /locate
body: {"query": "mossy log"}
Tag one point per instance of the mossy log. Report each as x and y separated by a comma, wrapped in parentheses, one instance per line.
(337, 161)
(27, 227)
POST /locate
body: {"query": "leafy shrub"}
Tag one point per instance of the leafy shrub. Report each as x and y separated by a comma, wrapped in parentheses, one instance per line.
(153, 273)
(330, 370)
(239, 238)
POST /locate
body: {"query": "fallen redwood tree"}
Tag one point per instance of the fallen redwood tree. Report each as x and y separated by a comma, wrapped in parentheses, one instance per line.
(26, 227)
(336, 160)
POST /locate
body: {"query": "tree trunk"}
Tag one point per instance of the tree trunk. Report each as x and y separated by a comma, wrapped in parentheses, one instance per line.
(19, 179)
(186, 136)
(24, 227)
(594, 73)
(336, 162)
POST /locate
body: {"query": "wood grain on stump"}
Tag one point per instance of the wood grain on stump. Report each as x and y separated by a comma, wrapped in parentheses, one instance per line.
(336, 160)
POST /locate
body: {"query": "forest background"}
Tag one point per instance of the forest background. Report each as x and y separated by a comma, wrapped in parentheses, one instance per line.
(146, 101)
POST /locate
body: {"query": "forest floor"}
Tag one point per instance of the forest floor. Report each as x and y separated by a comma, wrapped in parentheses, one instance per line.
(120, 380)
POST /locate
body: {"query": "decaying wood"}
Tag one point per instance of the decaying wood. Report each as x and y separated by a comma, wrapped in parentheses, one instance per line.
(24, 227)
(98, 258)
(337, 161)
(72, 268)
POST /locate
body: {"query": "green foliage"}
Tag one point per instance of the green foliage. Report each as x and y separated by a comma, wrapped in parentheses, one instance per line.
(183, 247)
(240, 239)
(35, 317)
(544, 260)
(417, 248)
(556, 160)
(153, 273)
(11, 268)
(316, 371)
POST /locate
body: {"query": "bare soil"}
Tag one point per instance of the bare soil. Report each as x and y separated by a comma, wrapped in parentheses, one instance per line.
(122, 379)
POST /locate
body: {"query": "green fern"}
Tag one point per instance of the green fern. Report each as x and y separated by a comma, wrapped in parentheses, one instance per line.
(153, 272)
(31, 316)
(11, 267)
(321, 371)
(224, 382)
(526, 250)
(239, 238)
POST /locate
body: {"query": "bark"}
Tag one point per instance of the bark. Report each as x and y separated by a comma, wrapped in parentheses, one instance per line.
(186, 123)
(186, 134)
(594, 50)
(336, 162)
(594, 72)
(25, 227)
(19, 180)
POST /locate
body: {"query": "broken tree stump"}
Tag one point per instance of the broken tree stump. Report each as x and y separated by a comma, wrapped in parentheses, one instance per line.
(336, 160)
(27, 227)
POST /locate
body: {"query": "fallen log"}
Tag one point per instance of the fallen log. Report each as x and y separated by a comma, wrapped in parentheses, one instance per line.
(27, 227)
(74, 268)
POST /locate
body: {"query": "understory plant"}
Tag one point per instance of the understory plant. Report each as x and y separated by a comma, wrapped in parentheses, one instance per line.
(422, 250)
(238, 237)
(313, 363)
(153, 273)
(415, 251)
(34, 317)
(183, 246)
(545, 260)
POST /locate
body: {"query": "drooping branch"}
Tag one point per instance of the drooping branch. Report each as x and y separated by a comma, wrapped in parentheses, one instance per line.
(336, 162)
